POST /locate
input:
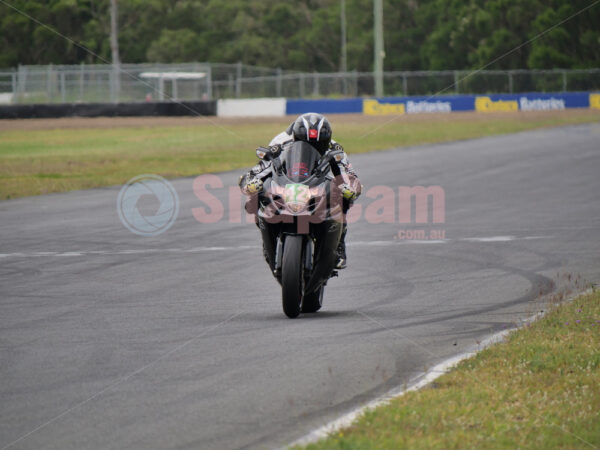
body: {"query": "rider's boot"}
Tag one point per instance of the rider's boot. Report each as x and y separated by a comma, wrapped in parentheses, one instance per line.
(341, 250)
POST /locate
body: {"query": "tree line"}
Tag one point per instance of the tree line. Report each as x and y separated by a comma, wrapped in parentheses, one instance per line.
(305, 34)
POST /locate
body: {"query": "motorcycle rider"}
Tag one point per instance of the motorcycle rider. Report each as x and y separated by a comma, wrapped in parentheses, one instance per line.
(315, 129)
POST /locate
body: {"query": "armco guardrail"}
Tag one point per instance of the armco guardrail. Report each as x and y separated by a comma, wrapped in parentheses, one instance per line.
(445, 104)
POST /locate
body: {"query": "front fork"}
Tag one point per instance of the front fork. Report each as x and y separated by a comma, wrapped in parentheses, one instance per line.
(270, 246)
(326, 255)
(278, 256)
(319, 262)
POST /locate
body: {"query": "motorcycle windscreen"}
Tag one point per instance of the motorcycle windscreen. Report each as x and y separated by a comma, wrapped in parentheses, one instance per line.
(299, 160)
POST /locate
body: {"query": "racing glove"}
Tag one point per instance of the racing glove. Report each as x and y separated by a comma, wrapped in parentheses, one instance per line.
(348, 192)
(253, 186)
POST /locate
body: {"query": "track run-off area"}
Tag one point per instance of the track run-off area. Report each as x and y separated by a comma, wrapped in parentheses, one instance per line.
(113, 340)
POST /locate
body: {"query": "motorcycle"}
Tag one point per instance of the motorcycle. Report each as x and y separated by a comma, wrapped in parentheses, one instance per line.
(299, 214)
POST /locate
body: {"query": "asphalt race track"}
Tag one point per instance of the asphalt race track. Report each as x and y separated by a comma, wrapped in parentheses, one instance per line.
(113, 340)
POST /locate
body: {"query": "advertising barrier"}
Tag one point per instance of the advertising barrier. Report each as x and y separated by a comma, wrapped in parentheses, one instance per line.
(448, 103)
(595, 101)
(251, 107)
(281, 106)
(325, 106)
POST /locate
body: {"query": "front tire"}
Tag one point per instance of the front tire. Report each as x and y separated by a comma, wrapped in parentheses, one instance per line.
(292, 276)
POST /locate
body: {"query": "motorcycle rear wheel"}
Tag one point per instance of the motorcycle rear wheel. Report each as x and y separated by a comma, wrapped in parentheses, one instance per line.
(292, 276)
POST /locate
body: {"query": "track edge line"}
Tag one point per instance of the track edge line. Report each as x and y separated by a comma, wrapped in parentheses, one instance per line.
(418, 382)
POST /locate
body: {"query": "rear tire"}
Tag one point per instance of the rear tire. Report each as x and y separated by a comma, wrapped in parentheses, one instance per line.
(292, 276)
(313, 302)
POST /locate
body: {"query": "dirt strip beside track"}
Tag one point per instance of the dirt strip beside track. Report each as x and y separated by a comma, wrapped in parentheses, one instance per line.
(127, 122)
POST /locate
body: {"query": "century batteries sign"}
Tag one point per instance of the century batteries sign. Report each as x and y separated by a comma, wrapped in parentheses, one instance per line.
(527, 102)
(480, 103)
(486, 104)
(415, 105)
(535, 101)
(372, 107)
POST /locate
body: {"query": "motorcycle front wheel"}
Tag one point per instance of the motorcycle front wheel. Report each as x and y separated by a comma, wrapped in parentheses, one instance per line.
(292, 276)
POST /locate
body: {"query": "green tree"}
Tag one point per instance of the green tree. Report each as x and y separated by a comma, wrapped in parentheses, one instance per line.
(176, 46)
(305, 34)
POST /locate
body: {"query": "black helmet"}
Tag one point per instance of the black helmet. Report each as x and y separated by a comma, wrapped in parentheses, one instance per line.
(313, 128)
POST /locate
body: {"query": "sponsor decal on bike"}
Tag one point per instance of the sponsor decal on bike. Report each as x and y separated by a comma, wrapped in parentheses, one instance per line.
(299, 169)
(297, 196)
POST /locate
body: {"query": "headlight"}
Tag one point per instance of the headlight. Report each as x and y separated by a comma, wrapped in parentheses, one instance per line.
(297, 207)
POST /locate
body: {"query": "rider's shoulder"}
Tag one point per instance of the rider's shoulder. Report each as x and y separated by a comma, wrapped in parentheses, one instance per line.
(281, 139)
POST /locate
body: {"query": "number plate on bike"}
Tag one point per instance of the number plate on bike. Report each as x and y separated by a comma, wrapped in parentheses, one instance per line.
(296, 195)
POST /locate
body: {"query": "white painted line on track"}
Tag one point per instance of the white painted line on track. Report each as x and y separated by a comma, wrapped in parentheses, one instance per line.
(125, 252)
(432, 241)
(501, 238)
(79, 253)
(491, 239)
(415, 384)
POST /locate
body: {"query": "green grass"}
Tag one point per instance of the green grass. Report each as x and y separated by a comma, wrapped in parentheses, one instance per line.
(38, 161)
(540, 389)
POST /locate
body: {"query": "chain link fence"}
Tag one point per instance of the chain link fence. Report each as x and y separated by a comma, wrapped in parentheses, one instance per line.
(203, 81)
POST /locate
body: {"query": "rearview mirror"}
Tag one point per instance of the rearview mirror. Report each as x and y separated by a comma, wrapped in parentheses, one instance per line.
(336, 155)
(263, 153)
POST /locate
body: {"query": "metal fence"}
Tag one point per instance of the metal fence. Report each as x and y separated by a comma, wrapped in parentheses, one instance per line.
(197, 81)
(362, 84)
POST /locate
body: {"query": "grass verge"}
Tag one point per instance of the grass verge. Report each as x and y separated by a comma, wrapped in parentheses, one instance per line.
(42, 156)
(538, 389)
